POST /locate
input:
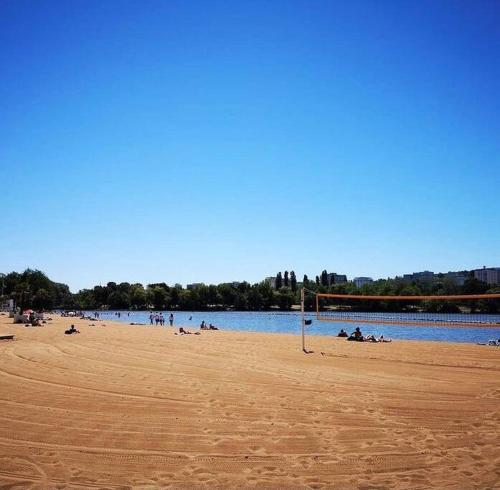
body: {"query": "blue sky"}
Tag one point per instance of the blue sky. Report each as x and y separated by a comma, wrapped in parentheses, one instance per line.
(217, 141)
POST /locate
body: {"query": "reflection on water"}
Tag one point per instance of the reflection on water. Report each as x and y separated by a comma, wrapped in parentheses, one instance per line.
(289, 322)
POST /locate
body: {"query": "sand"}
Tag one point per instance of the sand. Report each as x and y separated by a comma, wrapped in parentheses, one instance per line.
(122, 406)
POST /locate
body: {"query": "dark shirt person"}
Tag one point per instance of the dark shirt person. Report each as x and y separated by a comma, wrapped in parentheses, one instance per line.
(356, 335)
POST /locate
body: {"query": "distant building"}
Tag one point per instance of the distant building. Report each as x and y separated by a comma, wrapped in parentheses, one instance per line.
(361, 281)
(458, 278)
(425, 276)
(271, 281)
(194, 285)
(489, 275)
(334, 278)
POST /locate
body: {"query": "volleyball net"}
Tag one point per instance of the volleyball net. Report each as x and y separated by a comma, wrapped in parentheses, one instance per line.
(475, 310)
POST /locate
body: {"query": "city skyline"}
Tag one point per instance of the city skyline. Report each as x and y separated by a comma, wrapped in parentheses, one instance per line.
(487, 274)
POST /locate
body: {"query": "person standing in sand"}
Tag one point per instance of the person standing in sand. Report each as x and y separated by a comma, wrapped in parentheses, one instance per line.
(171, 319)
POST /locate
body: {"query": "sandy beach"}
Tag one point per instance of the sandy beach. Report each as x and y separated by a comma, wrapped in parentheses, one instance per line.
(120, 406)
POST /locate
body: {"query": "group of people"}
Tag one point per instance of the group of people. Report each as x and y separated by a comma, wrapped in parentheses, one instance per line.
(203, 326)
(159, 319)
(34, 320)
(357, 336)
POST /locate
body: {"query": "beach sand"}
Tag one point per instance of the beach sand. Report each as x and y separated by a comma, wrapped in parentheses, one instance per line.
(122, 406)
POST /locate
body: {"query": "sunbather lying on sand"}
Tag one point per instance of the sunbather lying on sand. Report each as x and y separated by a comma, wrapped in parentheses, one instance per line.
(493, 342)
(187, 332)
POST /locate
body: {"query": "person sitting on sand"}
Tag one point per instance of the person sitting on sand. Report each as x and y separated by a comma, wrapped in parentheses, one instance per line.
(356, 335)
(71, 330)
(203, 325)
(184, 332)
(342, 333)
(212, 327)
(382, 339)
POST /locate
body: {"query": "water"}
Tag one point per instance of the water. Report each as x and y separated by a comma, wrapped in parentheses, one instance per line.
(289, 322)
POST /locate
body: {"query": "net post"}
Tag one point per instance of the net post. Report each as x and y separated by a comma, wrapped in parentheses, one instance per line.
(317, 306)
(302, 319)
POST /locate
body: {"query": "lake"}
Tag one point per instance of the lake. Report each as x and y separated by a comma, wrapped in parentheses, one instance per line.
(289, 322)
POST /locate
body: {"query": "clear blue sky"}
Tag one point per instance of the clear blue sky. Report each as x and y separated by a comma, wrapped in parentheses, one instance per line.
(211, 141)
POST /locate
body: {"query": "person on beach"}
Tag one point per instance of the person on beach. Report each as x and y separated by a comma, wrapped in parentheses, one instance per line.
(151, 316)
(356, 335)
(162, 319)
(342, 333)
(171, 319)
(71, 330)
(203, 325)
(33, 320)
(187, 332)
(212, 327)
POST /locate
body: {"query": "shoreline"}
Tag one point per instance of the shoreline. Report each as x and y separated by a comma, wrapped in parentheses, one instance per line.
(487, 332)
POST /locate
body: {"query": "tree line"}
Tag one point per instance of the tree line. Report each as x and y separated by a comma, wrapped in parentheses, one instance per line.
(33, 289)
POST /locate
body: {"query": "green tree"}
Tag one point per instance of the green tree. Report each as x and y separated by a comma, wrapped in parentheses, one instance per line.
(42, 300)
(158, 298)
(119, 300)
(285, 299)
(138, 296)
(279, 281)
(324, 278)
(255, 299)
(293, 281)
(267, 294)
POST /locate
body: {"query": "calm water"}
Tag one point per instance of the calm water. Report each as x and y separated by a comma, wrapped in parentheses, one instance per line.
(288, 322)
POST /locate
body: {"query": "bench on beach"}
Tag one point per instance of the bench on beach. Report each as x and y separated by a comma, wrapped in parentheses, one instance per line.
(6, 337)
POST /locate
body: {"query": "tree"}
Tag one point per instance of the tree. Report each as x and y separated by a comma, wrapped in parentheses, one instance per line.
(317, 280)
(158, 297)
(119, 300)
(42, 300)
(293, 281)
(324, 278)
(285, 282)
(228, 295)
(255, 299)
(305, 280)
(138, 296)
(267, 294)
(279, 281)
(85, 299)
(214, 298)
(474, 286)
(101, 295)
(285, 299)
